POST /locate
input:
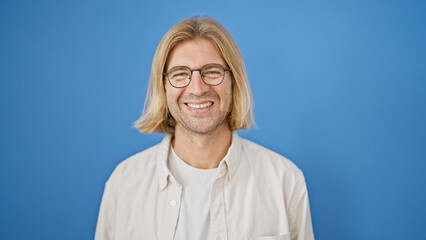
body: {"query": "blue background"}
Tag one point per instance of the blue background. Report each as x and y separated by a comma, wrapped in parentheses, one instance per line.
(339, 88)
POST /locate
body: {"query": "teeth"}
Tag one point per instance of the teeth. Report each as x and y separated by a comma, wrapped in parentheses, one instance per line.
(204, 105)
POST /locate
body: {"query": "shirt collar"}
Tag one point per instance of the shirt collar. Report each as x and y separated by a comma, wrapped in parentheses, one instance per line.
(233, 158)
(230, 162)
(162, 155)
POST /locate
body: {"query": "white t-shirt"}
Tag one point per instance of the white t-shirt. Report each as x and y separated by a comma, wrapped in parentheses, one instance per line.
(194, 215)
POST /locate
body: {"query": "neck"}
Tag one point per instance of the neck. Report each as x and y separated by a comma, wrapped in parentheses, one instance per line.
(202, 150)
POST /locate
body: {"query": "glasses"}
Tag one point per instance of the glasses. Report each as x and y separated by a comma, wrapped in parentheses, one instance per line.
(212, 74)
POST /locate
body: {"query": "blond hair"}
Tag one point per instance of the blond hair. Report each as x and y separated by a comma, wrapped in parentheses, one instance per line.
(156, 116)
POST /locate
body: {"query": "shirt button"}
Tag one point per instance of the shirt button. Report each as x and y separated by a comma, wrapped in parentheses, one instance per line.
(173, 203)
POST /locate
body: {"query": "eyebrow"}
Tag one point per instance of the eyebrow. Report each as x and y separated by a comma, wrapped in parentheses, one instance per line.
(223, 65)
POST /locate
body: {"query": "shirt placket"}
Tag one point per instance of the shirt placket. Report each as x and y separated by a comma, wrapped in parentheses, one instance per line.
(172, 205)
(217, 209)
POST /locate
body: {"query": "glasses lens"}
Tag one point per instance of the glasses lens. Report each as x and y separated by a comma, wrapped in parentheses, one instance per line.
(213, 74)
(179, 76)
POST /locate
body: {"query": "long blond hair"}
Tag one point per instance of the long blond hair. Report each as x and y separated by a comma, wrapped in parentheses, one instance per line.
(155, 116)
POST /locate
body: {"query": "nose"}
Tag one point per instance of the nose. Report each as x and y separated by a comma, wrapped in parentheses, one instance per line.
(197, 86)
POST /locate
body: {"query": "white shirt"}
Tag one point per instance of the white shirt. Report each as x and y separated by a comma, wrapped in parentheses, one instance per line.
(194, 214)
(258, 195)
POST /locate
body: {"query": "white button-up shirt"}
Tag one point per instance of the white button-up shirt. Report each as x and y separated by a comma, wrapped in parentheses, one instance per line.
(258, 195)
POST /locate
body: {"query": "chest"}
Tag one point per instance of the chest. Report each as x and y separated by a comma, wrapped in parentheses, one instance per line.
(242, 208)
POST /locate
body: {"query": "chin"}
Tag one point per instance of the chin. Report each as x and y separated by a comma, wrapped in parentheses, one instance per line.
(205, 128)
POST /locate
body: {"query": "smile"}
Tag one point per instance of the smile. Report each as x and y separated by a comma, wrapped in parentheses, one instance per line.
(199, 106)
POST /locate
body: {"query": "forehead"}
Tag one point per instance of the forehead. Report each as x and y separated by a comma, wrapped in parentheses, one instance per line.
(194, 54)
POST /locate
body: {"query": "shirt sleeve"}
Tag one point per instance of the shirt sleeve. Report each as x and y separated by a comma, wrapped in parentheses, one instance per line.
(105, 229)
(300, 213)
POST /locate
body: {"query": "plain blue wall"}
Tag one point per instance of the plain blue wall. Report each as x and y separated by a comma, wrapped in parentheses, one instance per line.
(339, 88)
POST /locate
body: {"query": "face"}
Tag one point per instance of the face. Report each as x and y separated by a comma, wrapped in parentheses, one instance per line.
(198, 107)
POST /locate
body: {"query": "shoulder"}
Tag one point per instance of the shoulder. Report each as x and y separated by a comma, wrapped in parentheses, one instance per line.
(140, 160)
(143, 163)
(262, 158)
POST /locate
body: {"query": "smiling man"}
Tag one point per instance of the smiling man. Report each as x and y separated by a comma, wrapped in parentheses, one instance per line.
(202, 181)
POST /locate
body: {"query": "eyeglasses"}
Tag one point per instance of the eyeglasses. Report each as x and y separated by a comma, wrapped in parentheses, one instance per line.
(212, 74)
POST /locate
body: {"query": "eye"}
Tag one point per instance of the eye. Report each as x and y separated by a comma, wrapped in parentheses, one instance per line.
(179, 75)
(212, 73)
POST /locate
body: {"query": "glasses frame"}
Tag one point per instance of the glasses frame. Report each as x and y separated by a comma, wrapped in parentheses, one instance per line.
(197, 70)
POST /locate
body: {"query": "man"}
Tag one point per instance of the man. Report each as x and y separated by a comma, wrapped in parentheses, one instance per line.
(202, 181)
